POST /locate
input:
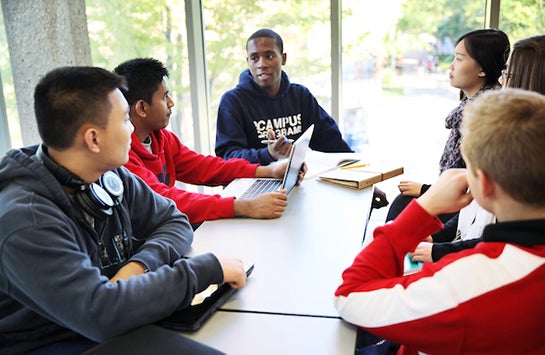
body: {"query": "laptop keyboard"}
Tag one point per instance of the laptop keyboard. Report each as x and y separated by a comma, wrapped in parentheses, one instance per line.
(261, 186)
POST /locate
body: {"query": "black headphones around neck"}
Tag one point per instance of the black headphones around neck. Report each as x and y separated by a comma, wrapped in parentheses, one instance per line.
(97, 199)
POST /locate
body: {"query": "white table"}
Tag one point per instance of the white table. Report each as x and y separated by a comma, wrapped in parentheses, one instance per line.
(287, 303)
(239, 333)
(299, 257)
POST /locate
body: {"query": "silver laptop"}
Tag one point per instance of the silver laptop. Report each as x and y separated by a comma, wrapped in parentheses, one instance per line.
(250, 187)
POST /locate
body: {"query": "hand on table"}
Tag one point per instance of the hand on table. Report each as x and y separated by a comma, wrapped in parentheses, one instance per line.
(233, 272)
(267, 206)
(410, 188)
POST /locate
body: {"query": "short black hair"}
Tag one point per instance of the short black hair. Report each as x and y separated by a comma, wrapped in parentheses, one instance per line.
(265, 32)
(68, 97)
(143, 75)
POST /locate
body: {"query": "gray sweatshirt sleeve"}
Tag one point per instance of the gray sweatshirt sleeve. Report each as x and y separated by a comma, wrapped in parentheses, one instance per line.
(47, 274)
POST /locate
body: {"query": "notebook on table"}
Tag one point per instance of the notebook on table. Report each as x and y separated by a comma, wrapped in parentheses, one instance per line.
(360, 175)
(204, 304)
(244, 188)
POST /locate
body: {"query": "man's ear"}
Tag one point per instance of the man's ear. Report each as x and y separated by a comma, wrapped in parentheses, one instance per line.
(284, 58)
(141, 108)
(486, 184)
(91, 138)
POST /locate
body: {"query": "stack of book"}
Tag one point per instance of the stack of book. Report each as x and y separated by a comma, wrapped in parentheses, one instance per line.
(360, 175)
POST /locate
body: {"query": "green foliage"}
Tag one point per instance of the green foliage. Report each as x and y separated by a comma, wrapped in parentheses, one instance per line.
(449, 19)
(462, 16)
(421, 16)
(446, 20)
(441, 20)
(522, 18)
(121, 30)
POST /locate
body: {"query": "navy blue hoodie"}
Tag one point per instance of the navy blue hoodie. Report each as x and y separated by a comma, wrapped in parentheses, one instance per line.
(246, 113)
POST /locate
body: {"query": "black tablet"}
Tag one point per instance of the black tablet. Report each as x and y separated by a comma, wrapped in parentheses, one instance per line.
(204, 304)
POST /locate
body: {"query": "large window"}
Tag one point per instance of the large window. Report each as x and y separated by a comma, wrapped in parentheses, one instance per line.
(122, 30)
(11, 129)
(395, 58)
(522, 18)
(303, 26)
(396, 91)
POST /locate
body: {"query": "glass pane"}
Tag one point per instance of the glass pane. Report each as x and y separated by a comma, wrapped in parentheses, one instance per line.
(303, 26)
(6, 80)
(396, 91)
(522, 18)
(123, 30)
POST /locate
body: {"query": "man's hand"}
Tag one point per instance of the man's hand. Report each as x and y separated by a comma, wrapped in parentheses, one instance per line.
(278, 148)
(410, 188)
(266, 206)
(278, 169)
(449, 194)
(422, 252)
(233, 272)
(132, 268)
(273, 170)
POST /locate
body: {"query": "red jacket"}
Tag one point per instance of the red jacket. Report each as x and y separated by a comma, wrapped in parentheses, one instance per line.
(485, 300)
(173, 162)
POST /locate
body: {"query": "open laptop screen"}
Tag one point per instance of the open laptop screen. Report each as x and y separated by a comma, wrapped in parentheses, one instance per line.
(297, 159)
(240, 187)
